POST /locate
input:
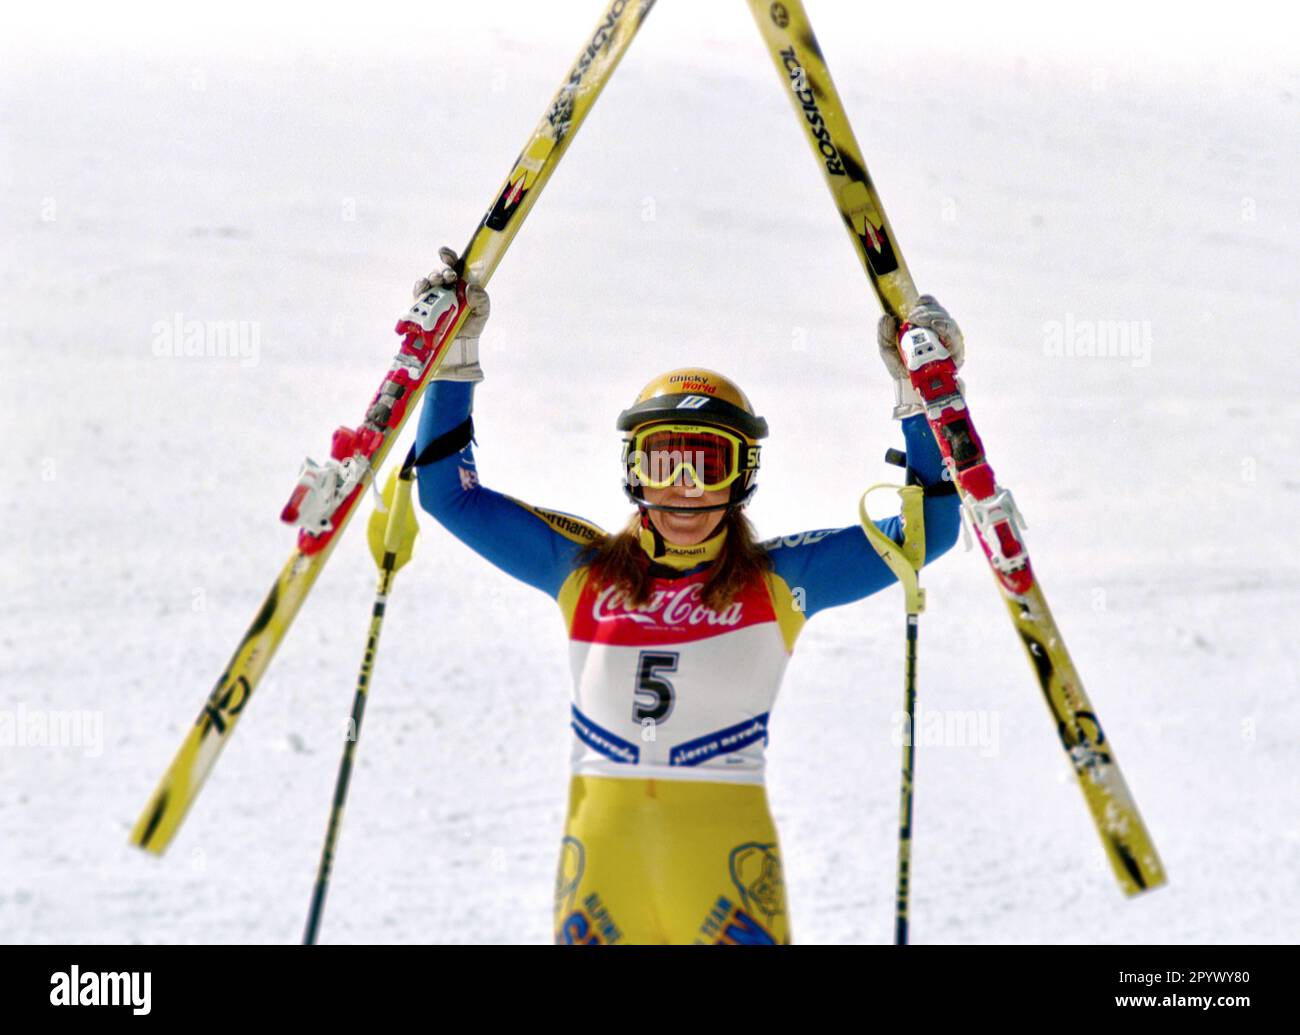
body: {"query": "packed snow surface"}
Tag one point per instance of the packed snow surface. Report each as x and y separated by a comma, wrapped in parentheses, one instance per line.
(1051, 190)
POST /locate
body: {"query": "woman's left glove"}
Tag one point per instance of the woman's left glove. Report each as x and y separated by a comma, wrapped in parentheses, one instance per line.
(926, 312)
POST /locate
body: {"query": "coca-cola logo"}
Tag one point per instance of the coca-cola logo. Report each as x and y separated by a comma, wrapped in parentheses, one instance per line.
(669, 607)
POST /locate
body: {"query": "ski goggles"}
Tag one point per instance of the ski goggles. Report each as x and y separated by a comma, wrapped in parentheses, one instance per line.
(660, 455)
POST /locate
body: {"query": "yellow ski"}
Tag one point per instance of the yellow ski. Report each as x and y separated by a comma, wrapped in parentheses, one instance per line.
(789, 37)
(326, 495)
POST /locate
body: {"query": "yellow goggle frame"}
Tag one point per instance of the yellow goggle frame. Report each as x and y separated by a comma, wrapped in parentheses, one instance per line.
(646, 467)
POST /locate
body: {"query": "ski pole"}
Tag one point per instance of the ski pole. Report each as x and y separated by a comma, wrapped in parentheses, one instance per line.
(905, 561)
(392, 538)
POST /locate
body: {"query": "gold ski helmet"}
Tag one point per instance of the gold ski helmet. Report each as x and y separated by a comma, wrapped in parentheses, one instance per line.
(692, 423)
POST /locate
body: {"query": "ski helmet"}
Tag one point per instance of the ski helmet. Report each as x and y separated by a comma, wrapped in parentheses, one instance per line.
(700, 408)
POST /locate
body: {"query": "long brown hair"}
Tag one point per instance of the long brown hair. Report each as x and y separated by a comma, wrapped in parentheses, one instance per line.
(620, 560)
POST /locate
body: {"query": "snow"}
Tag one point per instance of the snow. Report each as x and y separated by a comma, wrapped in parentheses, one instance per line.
(1052, 176)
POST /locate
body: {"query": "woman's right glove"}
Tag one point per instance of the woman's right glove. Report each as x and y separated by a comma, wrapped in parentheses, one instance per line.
(926, 312)
(461, 362)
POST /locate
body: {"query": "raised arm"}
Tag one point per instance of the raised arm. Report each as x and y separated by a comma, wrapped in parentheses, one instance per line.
(829, 567)
(534, 545)
(833, 566)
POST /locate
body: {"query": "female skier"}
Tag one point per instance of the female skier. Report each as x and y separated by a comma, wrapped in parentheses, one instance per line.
(680, 627)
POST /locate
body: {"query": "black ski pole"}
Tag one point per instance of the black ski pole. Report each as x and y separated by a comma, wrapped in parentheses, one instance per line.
(392, 538)
(905, 560)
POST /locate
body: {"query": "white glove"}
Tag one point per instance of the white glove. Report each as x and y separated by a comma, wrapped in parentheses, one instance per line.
(925, 312)
(461, 362)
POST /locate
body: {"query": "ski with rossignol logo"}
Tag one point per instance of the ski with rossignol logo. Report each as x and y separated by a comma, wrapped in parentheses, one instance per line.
(788, 34)
(325, 497)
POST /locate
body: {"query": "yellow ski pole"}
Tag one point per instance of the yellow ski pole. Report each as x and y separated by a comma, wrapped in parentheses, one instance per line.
(905, 562)
(392, 538)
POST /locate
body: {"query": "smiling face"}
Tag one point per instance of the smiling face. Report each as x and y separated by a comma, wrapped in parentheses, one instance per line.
(686, 529)
(701, 426)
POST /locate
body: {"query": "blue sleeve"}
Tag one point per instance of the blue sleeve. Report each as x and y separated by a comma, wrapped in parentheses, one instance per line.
(520, 540)
(838, 565)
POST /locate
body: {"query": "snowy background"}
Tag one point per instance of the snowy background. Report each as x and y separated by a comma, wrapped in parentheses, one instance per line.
(288, 167)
